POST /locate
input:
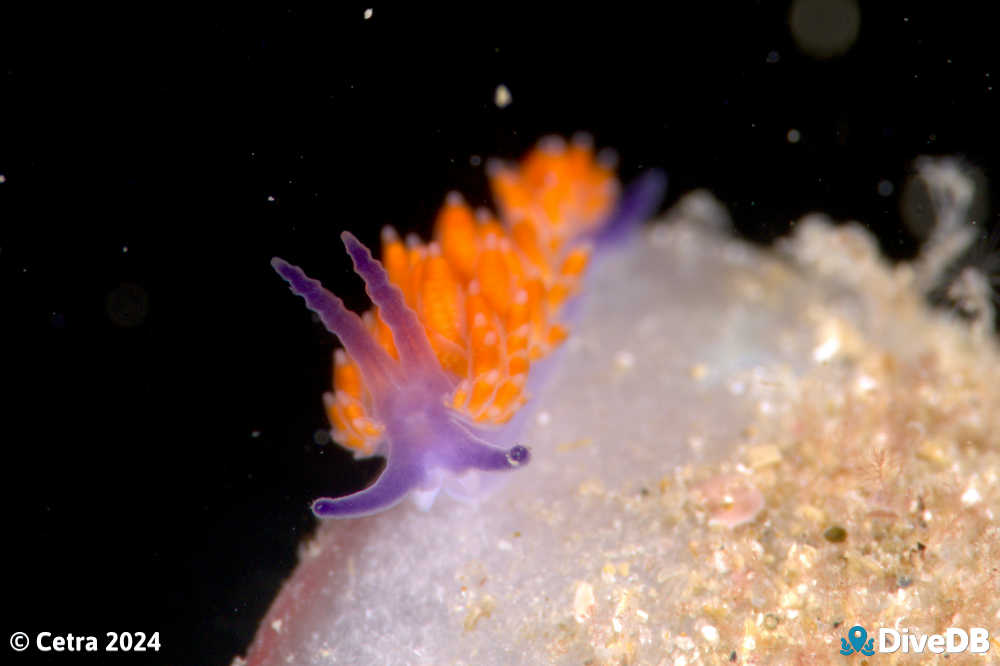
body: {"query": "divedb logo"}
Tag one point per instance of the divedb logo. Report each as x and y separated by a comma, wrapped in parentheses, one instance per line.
(975, 640)
(859, 642)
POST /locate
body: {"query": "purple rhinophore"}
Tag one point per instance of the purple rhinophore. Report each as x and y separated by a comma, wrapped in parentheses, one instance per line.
(426, 442)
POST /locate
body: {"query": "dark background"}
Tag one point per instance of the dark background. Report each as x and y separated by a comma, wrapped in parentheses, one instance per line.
(163, 386)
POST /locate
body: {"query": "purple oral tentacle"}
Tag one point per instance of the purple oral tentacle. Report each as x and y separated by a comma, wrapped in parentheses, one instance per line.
(397, 480)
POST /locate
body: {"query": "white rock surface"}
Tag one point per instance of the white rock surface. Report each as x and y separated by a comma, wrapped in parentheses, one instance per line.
(682, 337)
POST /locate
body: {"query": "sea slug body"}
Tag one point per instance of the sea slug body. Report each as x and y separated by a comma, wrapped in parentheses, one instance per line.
(433, 376)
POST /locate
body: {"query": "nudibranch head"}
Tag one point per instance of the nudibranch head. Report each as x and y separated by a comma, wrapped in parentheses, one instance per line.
(432, 376)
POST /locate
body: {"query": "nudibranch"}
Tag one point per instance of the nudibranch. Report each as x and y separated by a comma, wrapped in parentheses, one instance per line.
(433, 376)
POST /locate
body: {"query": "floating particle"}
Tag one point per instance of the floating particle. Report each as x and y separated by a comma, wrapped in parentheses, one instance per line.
(502, 97)
(794, 135)
(127, 305)
(368, 13)
(824, 28)
(835, 534)
(885, 188)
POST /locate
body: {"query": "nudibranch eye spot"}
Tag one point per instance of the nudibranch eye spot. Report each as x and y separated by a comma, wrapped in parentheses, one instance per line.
(518, 455)
(434, 374)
